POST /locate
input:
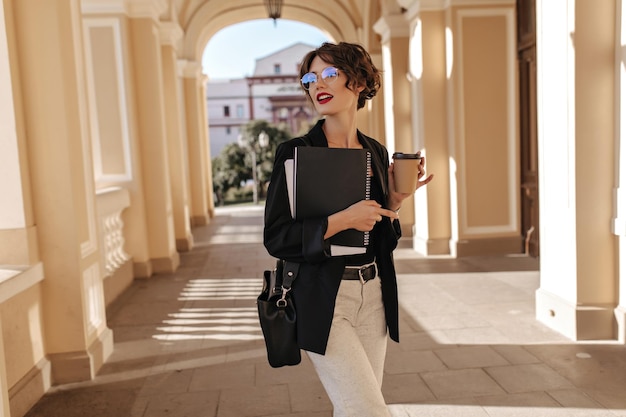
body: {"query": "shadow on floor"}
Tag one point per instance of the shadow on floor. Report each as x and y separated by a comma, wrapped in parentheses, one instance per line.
(188, 344)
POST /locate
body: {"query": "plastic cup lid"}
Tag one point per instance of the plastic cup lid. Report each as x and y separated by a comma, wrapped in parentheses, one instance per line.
(401, 155)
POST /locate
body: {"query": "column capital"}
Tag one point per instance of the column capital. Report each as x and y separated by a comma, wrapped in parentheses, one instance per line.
(392, 26)
(171, 33)
(433, 5)
(189, 69)
(414, 7)
(103, 7)
(421, 5)
(146, 8)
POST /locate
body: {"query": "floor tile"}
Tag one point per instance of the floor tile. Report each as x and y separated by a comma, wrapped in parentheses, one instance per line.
(407, 362)
(461, 383)
(189, 404)
(528, 378)
(405, 388)
(254, 401)
(470, 357)
(189, 343)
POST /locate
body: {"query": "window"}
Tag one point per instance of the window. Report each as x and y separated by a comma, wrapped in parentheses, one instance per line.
(276, 68)
(240, 110)
(228, 130)
(226, 111)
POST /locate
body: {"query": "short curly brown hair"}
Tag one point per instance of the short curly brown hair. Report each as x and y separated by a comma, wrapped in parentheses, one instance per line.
(354, 61)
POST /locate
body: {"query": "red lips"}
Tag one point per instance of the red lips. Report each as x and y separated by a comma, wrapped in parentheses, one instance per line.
(323, 98)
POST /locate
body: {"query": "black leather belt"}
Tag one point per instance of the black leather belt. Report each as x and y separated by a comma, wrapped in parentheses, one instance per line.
(363, 273)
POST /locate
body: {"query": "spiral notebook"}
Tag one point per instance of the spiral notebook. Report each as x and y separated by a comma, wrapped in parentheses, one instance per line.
(325, 181)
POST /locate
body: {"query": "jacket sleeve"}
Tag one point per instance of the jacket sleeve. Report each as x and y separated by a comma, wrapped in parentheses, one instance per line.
(392, 230)
(284, 237)
(395, 223)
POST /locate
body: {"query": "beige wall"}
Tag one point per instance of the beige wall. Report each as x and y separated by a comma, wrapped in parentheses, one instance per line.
(105, 162)
(485, 151)
(23, 350)
(464, 115)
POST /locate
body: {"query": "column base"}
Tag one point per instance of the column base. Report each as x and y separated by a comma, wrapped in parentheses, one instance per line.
(166, 265)
(30, 388)
(431, 246)
(487, 246)
(115, 284)
(620, 317)
(407, 229)
(200, 220)
(101, 349)
(185, 244)
(157, 265)
(80, 366)
(142, 269)
(577, 322)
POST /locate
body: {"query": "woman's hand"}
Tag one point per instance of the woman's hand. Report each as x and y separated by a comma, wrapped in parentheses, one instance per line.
(395, 198)
(361, 216)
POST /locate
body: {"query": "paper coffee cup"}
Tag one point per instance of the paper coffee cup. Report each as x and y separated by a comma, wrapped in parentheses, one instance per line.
(405, 171)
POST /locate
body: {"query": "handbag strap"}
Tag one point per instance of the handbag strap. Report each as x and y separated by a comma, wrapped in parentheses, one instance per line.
(290, 269)
(290, 272)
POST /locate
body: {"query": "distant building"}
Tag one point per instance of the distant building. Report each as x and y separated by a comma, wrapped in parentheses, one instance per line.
(272, 93)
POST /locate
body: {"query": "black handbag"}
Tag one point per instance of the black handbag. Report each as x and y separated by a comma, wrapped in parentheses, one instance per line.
(277, 315)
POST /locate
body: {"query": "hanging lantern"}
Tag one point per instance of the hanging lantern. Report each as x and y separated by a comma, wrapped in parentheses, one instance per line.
(274, 8)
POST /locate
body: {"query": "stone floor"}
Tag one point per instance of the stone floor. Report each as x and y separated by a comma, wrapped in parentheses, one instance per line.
(189, 344)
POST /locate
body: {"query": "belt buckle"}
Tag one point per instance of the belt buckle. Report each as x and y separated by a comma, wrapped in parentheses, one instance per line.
(363, 281)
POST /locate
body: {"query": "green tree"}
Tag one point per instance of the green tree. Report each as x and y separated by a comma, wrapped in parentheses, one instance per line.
(228, 170)
(233, 166)
(264, 155)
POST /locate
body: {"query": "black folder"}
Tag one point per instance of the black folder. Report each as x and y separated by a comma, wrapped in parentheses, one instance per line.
(328, 180)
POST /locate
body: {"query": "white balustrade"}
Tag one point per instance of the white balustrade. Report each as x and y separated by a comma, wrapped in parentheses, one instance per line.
(111, 203)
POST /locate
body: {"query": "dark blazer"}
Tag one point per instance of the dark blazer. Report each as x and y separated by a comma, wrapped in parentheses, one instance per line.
(315, 289)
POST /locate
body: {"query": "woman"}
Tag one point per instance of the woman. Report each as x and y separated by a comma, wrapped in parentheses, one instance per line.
(345, 305)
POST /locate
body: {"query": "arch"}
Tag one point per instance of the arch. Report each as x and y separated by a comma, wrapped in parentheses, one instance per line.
(215, 15)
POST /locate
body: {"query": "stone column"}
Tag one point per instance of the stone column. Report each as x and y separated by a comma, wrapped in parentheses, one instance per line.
(152, 133)
(394, 30)
(171, 35)
(193, 80)
(371, 118)
(203, 116)
(15, 240)
(430, 119)
(576, 96)
(619, 222)
(51, 63)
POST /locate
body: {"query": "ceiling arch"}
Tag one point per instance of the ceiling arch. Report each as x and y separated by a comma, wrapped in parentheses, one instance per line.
(342, 21)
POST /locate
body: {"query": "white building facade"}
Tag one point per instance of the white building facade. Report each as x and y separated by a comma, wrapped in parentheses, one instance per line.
(272, 93)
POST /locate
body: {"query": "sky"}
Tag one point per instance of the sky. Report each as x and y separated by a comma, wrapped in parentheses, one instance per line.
(232, 52)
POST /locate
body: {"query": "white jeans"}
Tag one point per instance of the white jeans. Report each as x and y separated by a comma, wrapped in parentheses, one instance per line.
(352, 368)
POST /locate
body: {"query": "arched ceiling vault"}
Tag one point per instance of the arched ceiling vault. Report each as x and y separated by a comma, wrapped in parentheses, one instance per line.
(341, 20)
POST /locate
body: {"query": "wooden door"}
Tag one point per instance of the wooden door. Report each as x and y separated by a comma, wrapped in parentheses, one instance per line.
(528, 126)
